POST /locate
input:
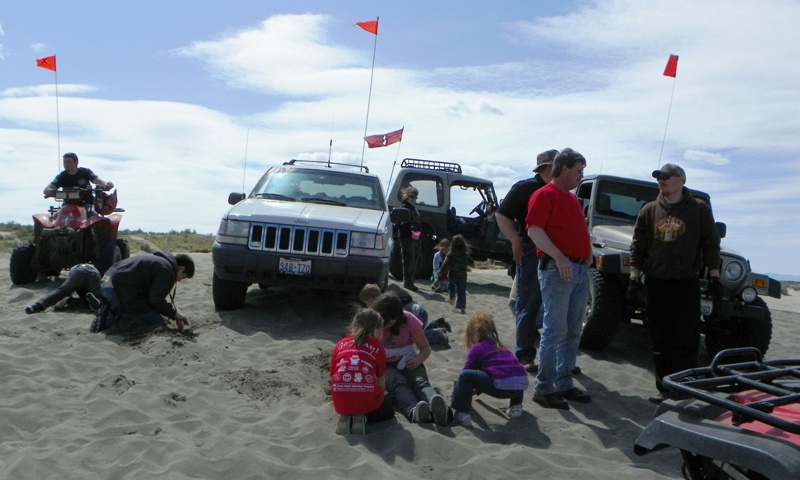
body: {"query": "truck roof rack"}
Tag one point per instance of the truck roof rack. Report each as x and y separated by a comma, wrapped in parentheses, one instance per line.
(328, 164)
(430, 165)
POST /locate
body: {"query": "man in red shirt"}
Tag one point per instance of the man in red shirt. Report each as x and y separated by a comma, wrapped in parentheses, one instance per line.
(558, 228)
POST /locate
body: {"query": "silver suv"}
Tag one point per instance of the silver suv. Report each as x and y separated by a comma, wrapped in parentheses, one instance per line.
(306, 223)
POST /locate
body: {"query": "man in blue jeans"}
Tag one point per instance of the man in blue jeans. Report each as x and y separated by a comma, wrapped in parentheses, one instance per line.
(558, 228)
(510, 215)
(82, 278)
(137, 288)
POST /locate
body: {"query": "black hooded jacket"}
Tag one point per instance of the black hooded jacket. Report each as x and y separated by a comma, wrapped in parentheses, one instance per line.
(143, 282)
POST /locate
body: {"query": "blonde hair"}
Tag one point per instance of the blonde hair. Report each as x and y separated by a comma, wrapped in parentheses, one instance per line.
(369, 293)
(443, 243)
(481, 326)
(409, 192)
(364, 322)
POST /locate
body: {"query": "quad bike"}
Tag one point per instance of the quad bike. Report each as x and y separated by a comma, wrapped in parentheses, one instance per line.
(737, 420)
(68, 235)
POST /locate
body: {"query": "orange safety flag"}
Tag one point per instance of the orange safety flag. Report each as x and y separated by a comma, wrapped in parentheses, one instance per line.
(47, 62)
(371, 26)
(672, 66)
(375, 141)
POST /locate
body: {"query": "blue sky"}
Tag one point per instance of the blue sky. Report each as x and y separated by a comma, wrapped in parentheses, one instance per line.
(166, 99)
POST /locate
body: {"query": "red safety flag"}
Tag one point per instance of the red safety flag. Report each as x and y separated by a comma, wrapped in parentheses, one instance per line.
(47, 62)
(375, 141)
(672, 66)
(371, 26)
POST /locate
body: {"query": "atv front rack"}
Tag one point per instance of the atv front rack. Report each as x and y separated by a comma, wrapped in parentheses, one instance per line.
(768, 385)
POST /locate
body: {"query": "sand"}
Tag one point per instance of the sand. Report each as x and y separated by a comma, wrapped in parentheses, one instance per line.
(243, 395)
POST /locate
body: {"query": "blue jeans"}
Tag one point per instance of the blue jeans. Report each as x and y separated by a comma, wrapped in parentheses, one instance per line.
(528, 307)
(146, 319)
(407, 387)
(564, 310)
(458, 290)
(480, 382)
(81, 278)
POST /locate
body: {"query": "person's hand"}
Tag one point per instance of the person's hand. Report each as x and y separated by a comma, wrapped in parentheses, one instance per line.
(109, 186)
(516, 250)
(634, 289)
(180, 321)
(715, 290)
(413, 362)
(565, 268)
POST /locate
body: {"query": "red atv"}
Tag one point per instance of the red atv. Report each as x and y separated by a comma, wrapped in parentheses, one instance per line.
(68, 235)
(738, 420)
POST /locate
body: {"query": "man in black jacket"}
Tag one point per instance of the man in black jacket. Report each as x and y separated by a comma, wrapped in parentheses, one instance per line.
(137, 288)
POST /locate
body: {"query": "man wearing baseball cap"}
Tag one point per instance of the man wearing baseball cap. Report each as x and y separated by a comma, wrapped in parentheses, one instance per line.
(528, 305)
(674, 237)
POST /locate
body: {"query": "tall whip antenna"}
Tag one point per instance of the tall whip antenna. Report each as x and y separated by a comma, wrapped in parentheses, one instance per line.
(371, 76)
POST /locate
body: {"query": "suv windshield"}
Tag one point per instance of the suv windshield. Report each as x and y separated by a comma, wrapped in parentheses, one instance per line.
(321, 186)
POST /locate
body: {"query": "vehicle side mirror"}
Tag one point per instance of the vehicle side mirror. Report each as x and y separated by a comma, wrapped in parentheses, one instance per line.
(400, 215)
(235, 198)
(721, 228)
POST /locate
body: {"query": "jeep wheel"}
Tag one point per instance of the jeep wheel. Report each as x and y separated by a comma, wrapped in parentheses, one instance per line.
(21, 266)
(741, 332)
(228, 295)
(108, 257)
(604, 311)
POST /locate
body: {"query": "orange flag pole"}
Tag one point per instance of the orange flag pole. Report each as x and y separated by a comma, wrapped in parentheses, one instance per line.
(670, 71)
(371, 27)
(49, 63)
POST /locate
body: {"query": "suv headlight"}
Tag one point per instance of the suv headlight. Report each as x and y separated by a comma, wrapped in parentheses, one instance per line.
(233, 231)
(367, 244)
(734, 271)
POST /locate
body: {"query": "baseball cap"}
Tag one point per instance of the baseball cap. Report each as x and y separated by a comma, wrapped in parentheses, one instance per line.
(670, 169)
(544, 159)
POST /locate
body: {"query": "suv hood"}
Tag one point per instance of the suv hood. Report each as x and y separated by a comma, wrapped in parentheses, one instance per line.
(615, 236)
(298, 213)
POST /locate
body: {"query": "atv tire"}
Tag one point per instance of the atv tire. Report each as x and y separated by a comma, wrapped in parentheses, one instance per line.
(21, 265)
(124, 249)
(228, 295)
(110, 255)
(603, 312)
(742, 332)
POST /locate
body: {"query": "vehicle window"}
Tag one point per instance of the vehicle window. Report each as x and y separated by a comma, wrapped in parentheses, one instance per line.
(431, 190)
(314, 186)
(623, 200)
(471, 201)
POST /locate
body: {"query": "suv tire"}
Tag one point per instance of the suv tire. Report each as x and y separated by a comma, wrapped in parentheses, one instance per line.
(228, 295)
(741, 332)
(603, 312)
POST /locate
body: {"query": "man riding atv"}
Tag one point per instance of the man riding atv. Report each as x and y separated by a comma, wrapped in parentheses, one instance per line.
(74, 176)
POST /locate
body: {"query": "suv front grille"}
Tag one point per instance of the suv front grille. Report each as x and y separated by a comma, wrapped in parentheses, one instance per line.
(292, 239)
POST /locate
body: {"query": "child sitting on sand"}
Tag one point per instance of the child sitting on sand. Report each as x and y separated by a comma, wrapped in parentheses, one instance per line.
(358, 366)
(435, 331)
(458, 262)
(490, 368)
(440, 283)
(406, 377)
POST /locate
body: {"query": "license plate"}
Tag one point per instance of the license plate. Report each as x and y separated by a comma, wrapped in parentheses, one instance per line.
(706, 307)
(294, 266)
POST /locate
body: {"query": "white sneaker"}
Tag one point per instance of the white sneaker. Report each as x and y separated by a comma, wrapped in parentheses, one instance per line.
(514, 411)
(464, 419)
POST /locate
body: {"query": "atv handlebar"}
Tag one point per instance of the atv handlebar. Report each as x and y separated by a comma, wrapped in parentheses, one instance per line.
(75, 193)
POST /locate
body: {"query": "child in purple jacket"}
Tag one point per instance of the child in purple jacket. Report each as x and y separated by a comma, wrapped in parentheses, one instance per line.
(490, 368)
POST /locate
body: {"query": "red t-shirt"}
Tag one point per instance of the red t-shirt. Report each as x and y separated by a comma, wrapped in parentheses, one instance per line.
(355, 371)
(560, 215)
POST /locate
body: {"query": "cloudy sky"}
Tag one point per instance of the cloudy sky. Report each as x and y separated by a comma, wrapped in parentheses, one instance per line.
(181, 102)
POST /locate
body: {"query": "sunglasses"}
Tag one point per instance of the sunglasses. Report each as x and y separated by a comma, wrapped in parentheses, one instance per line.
(664, 177)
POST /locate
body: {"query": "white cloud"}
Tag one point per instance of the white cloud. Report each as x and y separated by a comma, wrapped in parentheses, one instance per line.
(590, 79)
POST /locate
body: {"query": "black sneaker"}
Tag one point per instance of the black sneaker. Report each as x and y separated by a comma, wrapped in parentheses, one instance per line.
(575, 395)
(35, 308)
(659, 398)
(551, 400)
(440, 411)
(411, 287)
